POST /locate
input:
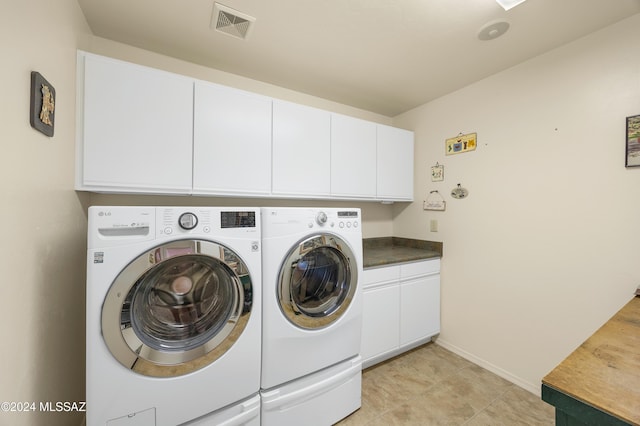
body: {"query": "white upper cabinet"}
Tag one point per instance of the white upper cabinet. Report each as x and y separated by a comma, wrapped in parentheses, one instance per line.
(394, 164)
(134, 128)
(143, 130)
(353, 157)
(301, 151)
(231, 141)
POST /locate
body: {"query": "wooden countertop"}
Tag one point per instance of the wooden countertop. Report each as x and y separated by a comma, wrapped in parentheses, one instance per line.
(604, 372)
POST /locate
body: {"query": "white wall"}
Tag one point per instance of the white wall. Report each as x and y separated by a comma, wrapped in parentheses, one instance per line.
(43, 251)
(545, 248)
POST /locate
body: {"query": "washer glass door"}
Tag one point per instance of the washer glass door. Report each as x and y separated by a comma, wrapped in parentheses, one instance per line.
(317, 281)
(177, 308)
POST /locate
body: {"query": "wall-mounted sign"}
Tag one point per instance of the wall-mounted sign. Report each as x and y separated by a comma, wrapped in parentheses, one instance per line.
(434, 201)
(461, 143)
(43, 104)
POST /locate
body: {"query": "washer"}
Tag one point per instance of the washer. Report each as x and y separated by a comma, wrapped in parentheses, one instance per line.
(173, 315)
(312, 315)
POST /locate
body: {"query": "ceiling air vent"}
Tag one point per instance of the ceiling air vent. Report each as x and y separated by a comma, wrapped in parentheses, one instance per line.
(230, 21)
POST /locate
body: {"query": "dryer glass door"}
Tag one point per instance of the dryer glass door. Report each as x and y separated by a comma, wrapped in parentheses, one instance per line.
(317, 281)
(177, 308)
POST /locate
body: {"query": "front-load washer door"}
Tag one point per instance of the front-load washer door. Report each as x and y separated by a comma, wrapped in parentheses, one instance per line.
(177, 308)
(317, 281)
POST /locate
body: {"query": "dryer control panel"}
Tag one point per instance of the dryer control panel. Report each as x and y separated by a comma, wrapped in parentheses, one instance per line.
(334, 218)
(348, 218)
(342, 219)
(293, 220)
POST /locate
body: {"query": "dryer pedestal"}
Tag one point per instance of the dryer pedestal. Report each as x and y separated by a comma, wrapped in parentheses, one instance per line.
(318, 399)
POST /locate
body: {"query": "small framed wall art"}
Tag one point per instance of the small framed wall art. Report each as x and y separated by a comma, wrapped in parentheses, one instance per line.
(437, 173)
(632, 153)
(43, 104)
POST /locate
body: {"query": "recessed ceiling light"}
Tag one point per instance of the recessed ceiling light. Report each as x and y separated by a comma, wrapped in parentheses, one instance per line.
(508, 4)
(493, 30)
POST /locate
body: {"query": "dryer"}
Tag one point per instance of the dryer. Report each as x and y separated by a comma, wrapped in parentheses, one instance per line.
(173, 316)
(312, 315)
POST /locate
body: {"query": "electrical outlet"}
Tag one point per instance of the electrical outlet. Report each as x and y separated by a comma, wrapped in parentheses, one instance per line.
(433, 225)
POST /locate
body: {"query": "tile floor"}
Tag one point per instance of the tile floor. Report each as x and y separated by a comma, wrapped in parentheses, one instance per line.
(433, 386)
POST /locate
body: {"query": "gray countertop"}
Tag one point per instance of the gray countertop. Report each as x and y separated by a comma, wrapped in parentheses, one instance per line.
(390, 250)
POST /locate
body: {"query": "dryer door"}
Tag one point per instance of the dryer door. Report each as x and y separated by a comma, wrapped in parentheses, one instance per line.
(317, 281)
(177, 308)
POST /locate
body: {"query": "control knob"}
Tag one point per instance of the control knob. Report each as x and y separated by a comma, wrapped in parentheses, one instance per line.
(321, 218)
(188, 221)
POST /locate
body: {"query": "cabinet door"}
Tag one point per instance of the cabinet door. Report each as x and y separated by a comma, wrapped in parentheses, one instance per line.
(380, 321)
(137, 128)
(301, 150)
(231, 141)
(353, 157)
(394, 164)
(419, 308)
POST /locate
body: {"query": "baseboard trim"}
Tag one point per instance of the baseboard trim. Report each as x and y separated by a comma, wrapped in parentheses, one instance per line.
(533, 388)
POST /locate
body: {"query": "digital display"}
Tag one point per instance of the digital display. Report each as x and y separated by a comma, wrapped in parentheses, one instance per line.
(348, 214)
(237, 219)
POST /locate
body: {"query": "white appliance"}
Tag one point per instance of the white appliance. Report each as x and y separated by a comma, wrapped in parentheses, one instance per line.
(312, 315)
(173, 316)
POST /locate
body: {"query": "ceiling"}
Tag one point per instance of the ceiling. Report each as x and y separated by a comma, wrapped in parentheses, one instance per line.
(384, 56)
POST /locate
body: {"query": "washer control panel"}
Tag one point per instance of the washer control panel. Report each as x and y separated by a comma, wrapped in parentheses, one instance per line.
(177, 220)
(203, 220)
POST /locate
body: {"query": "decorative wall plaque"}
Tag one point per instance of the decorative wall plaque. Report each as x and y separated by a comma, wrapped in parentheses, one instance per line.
(43, 104)
(461, 143)
(434, 201)
(633, 142)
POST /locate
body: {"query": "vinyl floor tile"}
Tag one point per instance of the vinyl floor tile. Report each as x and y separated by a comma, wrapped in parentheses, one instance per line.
(433, 386)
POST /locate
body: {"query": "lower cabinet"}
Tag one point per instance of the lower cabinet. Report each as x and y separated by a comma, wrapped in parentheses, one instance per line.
(419, 302)
(401, 308)
(380, 314)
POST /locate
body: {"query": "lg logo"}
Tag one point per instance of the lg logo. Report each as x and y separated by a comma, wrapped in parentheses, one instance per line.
(101, 214)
